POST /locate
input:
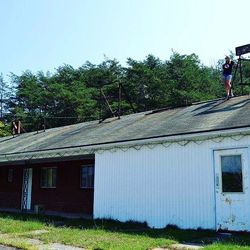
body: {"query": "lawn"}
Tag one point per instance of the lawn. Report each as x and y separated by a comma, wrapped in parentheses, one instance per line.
(102, 234)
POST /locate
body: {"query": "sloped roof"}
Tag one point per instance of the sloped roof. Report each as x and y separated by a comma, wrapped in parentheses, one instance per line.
(200, 117)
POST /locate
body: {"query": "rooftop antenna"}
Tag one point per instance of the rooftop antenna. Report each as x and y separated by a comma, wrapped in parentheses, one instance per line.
(16, 127)
(241, 50)
(103, 100)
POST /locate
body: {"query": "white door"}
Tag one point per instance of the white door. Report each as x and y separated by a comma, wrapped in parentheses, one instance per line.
(27, 188)
(232, 190)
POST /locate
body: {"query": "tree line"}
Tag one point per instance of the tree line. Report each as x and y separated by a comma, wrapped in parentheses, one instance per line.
(71, 95)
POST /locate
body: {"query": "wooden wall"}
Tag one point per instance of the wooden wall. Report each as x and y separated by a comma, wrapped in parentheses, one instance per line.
(68, 196)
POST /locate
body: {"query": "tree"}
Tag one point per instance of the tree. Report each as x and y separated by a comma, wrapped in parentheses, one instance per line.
(145, 83)
(5, 94)
(74, 95)
(4, 130)
(105, 77)
(188, 80)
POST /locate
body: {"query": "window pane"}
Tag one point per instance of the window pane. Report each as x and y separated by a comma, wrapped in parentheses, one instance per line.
(53, 177)
(231, 167)
(43, 178)
(48, 177)
(91, 177)
(87, 177)
(84, 177)
(10, 175)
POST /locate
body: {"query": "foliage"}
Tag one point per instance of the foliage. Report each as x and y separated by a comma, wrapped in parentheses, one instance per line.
(72, 95)
(5, 95)
(4, 130)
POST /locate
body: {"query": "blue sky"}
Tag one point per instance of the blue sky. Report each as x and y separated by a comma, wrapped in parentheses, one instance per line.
(44, 34)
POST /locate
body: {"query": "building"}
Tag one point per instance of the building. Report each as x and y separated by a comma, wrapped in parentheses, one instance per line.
(187, 167)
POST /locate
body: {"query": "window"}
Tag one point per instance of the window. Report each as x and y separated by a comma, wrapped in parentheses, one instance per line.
(10, 175)
(231, 170)
(87, 176)
(48, 178)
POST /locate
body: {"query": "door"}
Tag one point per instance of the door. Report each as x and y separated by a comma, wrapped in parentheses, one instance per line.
(232, 190)
(26, 190)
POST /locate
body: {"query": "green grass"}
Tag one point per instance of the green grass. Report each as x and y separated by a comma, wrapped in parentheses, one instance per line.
(103, 239)
(18, 223)
(102, 234)
(238, 241)
(115, 235)
(16, 241)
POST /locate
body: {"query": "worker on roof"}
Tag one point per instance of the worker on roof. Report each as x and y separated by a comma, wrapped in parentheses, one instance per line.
(227, 76)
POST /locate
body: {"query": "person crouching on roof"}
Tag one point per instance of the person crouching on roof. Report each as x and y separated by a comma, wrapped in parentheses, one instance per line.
(227, 76)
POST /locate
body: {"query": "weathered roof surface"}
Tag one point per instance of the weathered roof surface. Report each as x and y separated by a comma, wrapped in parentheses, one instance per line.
(207, 116)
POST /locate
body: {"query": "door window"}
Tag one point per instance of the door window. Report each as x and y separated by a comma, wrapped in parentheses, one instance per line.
(231, 172)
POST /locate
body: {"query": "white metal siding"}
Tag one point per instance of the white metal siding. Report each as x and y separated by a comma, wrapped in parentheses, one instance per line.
(162, 186)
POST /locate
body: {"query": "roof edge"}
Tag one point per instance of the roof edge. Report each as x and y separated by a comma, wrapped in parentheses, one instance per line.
(181, 139)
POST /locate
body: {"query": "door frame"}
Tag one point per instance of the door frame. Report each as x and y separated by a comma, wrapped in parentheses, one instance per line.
(26, 188)
(246, 154)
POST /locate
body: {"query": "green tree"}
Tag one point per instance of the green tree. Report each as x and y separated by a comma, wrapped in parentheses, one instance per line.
(4, 130)
(144, 81)
(5, 94)
(73, 95)
(189, 81)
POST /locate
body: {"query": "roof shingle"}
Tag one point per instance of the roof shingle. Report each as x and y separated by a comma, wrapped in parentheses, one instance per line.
(207, 116)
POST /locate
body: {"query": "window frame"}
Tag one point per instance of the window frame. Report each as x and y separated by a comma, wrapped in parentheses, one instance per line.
(81, 175)
(41, 176)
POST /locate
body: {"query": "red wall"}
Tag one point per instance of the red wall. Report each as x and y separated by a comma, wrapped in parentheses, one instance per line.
(11, 193)
(66, 197)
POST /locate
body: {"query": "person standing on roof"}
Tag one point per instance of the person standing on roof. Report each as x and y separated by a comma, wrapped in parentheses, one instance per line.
(227, 76)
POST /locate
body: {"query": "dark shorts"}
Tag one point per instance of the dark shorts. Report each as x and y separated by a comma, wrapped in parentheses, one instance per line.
(226, 77)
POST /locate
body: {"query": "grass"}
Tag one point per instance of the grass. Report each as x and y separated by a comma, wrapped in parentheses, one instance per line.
(109, 234)
(102, 234)
(16, 241)
(238, 241)
(11, 223)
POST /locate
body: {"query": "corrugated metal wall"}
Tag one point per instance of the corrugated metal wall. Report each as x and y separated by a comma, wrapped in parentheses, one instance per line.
(161, 186)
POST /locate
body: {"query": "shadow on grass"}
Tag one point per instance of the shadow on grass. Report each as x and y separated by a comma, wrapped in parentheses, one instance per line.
(130, 228)
(200, 236)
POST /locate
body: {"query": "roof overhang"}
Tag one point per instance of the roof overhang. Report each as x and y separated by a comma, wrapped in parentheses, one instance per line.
(88, 151)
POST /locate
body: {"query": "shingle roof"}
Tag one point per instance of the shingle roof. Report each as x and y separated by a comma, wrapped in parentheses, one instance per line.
(201, 117)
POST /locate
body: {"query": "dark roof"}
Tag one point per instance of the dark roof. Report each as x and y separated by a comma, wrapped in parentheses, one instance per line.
(200, 117)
